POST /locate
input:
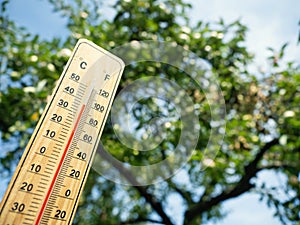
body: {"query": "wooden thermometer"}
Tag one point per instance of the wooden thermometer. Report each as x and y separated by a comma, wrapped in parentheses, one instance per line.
(51, 174)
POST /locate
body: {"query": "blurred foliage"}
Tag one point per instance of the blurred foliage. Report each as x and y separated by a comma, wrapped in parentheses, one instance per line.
(263, 114)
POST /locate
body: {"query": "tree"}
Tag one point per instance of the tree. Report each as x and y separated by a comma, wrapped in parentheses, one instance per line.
(262, 120)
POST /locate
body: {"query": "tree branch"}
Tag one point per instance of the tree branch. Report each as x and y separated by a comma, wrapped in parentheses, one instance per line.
(133, 221)
(241, 187)
(186, 195)
(157, 206)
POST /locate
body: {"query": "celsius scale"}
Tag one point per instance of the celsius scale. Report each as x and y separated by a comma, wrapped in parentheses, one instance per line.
(50, 177)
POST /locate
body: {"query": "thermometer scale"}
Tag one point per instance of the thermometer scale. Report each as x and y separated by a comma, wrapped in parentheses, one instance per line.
(47, 184)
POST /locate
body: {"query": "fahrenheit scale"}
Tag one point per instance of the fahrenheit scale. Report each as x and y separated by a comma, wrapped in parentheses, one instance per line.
(51, 174)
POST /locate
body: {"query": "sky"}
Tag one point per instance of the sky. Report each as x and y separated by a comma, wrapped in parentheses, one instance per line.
(271, 23)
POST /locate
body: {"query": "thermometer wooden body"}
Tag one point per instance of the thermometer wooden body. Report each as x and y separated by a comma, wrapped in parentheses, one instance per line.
(51, 174)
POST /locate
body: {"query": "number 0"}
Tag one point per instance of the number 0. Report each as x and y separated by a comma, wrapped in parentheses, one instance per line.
(68, 193)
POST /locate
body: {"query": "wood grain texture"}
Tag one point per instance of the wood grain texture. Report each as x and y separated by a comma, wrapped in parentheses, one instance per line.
(49, 179)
